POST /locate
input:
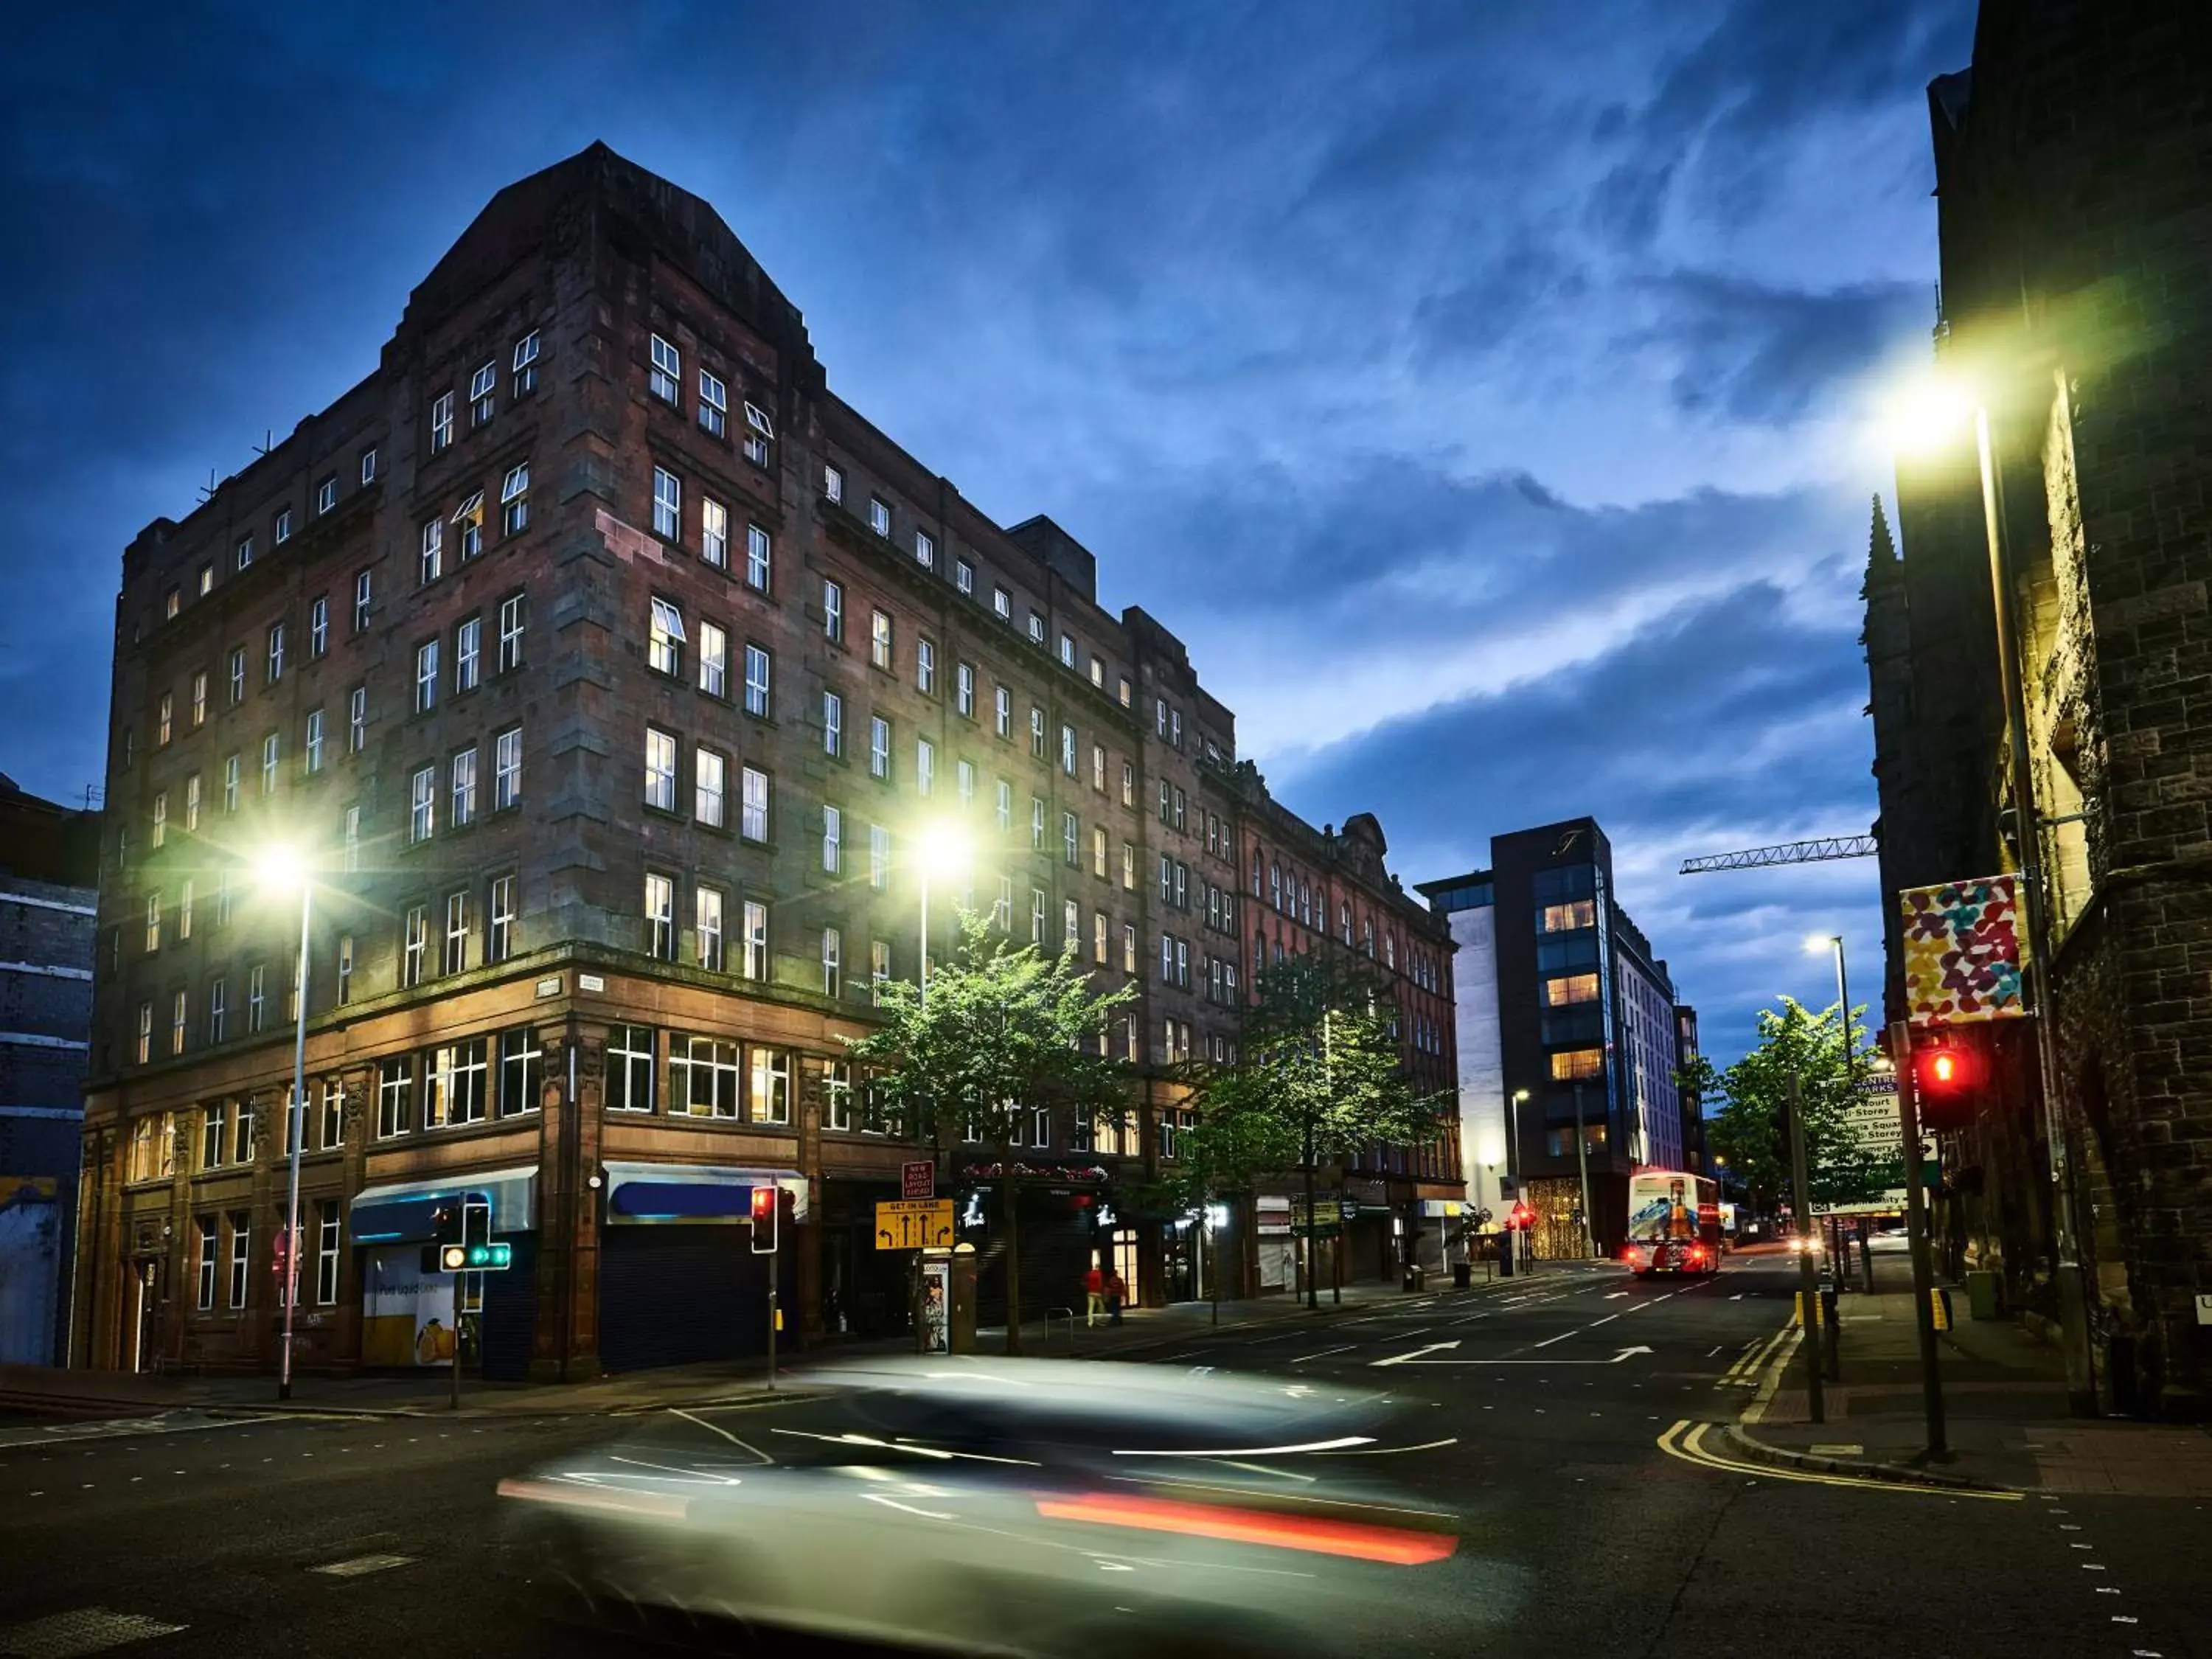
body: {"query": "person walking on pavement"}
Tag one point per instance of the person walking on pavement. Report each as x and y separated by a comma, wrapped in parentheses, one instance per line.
(1094, 1295)
(1117, 1292)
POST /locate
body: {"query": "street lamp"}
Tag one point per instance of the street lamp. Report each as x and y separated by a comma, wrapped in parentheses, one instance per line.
(941, 850)
(279, 869)
(1929, 417)
(1516, 1169)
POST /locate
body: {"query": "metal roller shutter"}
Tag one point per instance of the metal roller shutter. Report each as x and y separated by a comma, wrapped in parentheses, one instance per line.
(677, 1295)
(509, 1323)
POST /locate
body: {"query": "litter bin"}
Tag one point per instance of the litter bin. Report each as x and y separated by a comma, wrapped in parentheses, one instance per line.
(1414, 1273)
(1463, 1275)
(1984, 1294)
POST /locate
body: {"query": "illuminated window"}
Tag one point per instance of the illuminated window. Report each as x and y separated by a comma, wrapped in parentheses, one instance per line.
(1564, 918)
(1575, 987)
(1569, 1064)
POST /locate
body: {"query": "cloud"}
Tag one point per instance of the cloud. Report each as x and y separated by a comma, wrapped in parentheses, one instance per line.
(1752, 352)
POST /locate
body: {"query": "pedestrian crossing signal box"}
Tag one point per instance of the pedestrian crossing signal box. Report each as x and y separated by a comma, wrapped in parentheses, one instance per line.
(482, 1258)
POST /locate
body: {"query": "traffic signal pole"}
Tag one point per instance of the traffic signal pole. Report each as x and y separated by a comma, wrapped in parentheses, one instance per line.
(1809, 1276)
(1916, 1233)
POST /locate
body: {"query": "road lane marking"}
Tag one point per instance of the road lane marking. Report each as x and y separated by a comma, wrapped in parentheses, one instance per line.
(87, 1630)
(1324, 1353)
(1408, 1356)
(359, 1564)
(1564, 1335)
(1685, 1440)
(1416, 1359)
(1614, 1296)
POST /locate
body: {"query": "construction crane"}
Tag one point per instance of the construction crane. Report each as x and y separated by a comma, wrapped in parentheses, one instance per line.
(1789, 852)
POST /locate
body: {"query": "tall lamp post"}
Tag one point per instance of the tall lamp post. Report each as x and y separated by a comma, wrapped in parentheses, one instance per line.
(1935, 418)
(941, 850)
(1834, 943)
(1515, 1168)
(279, 869)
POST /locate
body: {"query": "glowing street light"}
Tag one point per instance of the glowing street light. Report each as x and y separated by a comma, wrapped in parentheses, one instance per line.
(941, 849)
(280, 870)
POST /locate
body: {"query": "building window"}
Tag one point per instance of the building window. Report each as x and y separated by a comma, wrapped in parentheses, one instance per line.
(1566, 918)
(395, 1094)
(329, 1229)
(467, 654)
(771, 1086)
(879, 857)
(1068, 750)
(423, 805)
(702, 1076)
(879, 515)
(833, 984)
(482, 389)
(469, 520)
(514, 501)
(315, 745)
(756, 939)
(713, 404)
(318, 626)
(415, 946)
(1036, 823)
(245, 552)
(667, 505)
(880, 969)
(510, 632)
(326, 494)
(964, 689)
(713, 533)
(454, 1076)
(345, 967)
(205, 1260)
(709, 771)
(754, 823)
(1037, 916)
(925, 667)
(276, 654)
(1070, 833)
(498, 936)
(963, 576)
(426, 677)
(760, 559)
(506, 769)
(521, 1071)
(199, 699)
(832, 840)
(283, 530)
(526, 364)
(1570, 1065)
(1573, 989)
(757, 678)
(269, 762)
(707, 927)
(925, 549)
(666, 381)
(660, 917)
(465, 788)
(832, 611)
(160, 817)
(1004, 809)
(178, 1012)
(879, 747)
(455, 959)
(665, 640)
(758, 426)
(241, 1255)
(833, 724)
(713, 659)
(629, 1068)
(879, 640)
(218, 1007)
(925, 765)
(833, 484)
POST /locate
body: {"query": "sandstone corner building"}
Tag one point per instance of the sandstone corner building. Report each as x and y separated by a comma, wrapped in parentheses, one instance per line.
(607, 666)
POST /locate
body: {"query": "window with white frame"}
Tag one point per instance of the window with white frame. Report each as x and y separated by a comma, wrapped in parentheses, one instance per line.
(514, 501)
(630, 1053)
(1004, 807)
(468, 519)
(276, 654)
(269, 746)
(245, 552)
(241, 1256)
(218, 1008)
(713, 533)
(499, 930)
(925, 549)
(833, 482)
(880, 639)
(204, 1258)
(754, 824)
(667, 505)
(659, 770)
(925, 765)
(757, 681)
(880, 969)
(1069, 835)
(199, 699)
(330, 1228)
(879, 747)
(879, 857)
(1036, 823)
(282, 531)
(924, 666)
(506, 769)
(426, 677)
(713, 404)
(838, 1093)
(963, 576)
(702, 1076)
(230, 775)
(665, 639)
(832, 611)
(395, 1096)
(1002, 711)
(665, 380)
(237, 679)
(312, 755)
(431, 563)
(318, 626)
(1037, 731)
(511, 623)
(709, 785)
(832, 840)
(771, 1086)
(879, 515)
(525, 365)
(833, 724)
(707, 926)
(464, 792)
(521, 1071)
(1036, 627)
(423, 805)
(660, 917)
(756, 939)
(964, 689)
(467, 653)
(455, 957)
(483, 386)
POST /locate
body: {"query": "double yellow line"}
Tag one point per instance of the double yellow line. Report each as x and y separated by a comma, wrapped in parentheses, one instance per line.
(1744, 1374)
(1687, 1441)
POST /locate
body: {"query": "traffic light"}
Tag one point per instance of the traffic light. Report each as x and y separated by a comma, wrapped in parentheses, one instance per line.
(767, 1207)
(1948, 1076)
(1521, 1216)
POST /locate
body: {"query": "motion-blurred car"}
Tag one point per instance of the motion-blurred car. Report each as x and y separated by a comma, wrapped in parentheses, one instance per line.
(1039, 1507)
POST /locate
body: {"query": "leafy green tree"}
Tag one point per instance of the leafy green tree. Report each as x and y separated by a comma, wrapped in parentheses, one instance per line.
(1318, 1077)
(1751, 1129)
(1002, 1031)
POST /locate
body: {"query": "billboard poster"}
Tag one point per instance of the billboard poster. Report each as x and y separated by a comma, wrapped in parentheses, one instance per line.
(407, 1314)
(1962, 951)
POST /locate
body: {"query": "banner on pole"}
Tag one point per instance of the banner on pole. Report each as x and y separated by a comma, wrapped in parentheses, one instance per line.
(1962, 951)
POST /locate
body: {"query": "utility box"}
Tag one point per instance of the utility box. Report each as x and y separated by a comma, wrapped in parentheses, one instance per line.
(1985, 1295)
(962, 1327)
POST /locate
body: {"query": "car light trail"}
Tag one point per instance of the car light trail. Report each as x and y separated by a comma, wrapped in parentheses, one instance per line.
(1395, 1545)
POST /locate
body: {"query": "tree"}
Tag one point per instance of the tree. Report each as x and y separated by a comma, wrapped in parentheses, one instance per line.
(1751, 1128)
(1317, 1077)
(1001, 1032)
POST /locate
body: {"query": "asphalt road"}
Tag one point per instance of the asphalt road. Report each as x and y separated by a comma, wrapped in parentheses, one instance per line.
(1533, 1414)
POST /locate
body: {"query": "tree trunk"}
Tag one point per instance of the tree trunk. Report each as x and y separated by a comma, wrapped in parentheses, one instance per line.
(1312, 1234)
(1010, 1195)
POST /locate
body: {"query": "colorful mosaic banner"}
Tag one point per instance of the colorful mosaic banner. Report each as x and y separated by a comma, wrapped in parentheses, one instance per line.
(1962, 951)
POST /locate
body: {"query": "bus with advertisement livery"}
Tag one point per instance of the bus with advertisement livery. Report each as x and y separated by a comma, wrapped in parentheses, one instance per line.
(1673, 1224)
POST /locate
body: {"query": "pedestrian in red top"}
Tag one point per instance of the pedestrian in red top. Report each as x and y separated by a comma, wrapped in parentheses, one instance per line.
(1094, 1294)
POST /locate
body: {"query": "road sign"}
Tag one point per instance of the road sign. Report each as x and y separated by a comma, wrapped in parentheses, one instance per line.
(918, 1179)
(914, 1224)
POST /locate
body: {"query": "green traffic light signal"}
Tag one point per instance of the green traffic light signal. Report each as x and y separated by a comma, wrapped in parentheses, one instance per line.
(482, 1257)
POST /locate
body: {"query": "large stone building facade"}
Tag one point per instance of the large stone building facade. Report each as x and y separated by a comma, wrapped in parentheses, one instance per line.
(608, 667)
(2074, 203)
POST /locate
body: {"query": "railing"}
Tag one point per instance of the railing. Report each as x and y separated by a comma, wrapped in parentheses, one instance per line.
(1068, 1314)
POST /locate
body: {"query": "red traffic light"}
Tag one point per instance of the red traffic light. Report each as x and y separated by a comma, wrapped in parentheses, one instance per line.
(767, 1210)
(1522, 1216)
(1949, 1076)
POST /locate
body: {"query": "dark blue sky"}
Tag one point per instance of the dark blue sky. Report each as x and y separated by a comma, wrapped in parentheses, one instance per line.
(1482, 390)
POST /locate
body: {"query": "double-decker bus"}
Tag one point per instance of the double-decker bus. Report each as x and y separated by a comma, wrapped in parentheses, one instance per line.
(1673, 1224)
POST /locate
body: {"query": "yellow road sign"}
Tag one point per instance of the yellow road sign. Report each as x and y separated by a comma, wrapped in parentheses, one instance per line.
(914, 1224)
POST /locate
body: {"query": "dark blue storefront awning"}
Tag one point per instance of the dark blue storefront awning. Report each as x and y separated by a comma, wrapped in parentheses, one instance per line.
(400, 1211)
(647, 1193)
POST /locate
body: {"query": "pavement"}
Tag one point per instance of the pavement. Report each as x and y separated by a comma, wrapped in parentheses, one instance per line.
(1575, 1429)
